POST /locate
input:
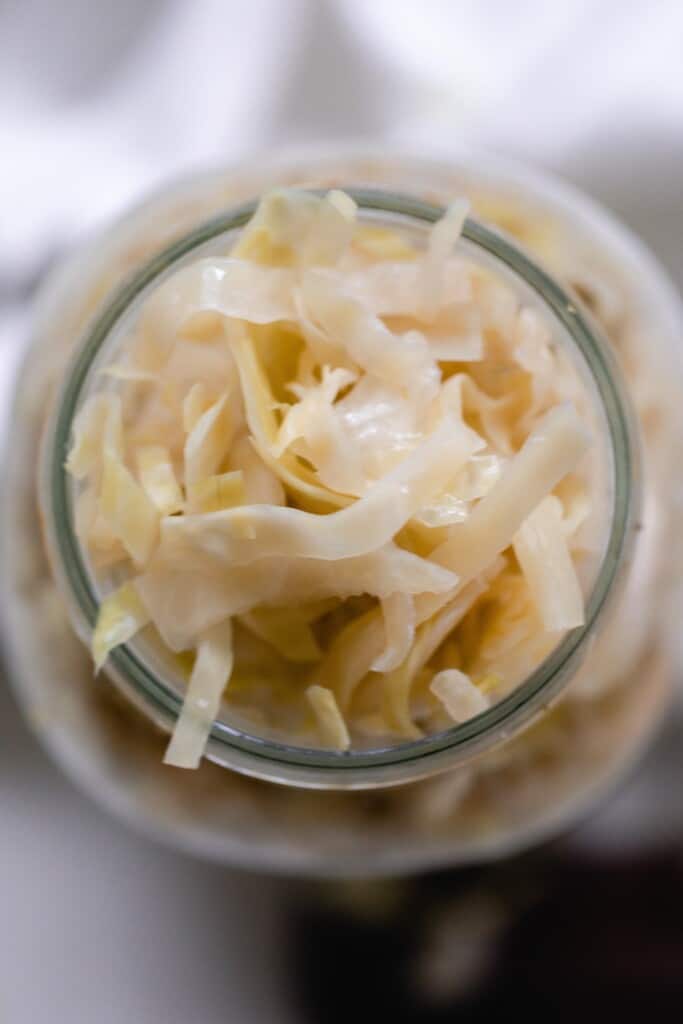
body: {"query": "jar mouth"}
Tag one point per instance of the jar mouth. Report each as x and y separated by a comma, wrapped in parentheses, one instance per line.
(312, 767)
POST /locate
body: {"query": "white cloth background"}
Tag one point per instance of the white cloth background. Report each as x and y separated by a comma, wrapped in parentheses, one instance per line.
(99, 102)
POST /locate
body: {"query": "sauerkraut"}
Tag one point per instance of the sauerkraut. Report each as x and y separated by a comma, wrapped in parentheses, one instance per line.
(334, 476)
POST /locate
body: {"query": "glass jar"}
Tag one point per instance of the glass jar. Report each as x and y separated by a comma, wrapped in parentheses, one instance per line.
(501, 790)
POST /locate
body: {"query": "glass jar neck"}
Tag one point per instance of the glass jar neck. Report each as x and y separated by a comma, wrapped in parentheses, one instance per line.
(277, 762)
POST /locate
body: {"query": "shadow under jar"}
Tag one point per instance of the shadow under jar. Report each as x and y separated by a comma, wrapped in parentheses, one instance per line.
(516, 773)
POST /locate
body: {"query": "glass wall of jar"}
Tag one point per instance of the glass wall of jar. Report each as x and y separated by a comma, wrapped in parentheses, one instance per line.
(515, 791)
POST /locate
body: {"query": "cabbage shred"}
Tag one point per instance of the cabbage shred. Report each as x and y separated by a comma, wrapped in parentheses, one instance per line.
(327, 464)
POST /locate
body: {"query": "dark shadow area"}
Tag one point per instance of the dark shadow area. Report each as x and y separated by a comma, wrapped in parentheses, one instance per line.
(544, 937)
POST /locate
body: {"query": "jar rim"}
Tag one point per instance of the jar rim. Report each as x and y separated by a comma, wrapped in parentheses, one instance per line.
(312, 767)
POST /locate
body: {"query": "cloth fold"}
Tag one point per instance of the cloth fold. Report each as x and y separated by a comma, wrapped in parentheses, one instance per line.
(100, 102)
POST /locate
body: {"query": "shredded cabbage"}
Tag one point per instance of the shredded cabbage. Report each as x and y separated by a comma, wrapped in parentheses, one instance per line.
(292, 228)
(551, 451)
(205, 362)
(429, 637)
(381, 427)
(313, 423)
(120, 616)
(456, 335)
(261, 485)
(363, 456)
(392, 289)
(208, 442)
(187, 592)
(403, 362)
(127, 511)
(213, 493)
(351, 655)
(232, 288)
(288, 630)
(260, 407)
(244, 534)
(442, 240)
(210, 675)
(197, 401)
(458, 694)
(158, 479)
(331, 723)
(474, 481)
(104, 548)
(97, 428)
(373, 243)
(541, 549)
(398, 613)
(131, 373)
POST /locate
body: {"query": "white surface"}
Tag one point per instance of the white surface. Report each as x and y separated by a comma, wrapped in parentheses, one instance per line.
(101, 925)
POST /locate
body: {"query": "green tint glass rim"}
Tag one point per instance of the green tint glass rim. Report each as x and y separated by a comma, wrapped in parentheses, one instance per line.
(527, 698)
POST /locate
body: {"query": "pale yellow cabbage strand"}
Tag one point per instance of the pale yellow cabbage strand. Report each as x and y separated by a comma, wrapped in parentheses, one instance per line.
(240, 535)
(442, 238)
(542, 551)
(228, 287)
(398, 614)
(210, 676)
(458, 695)
(402, 362)
(331, 724)
(121, 615)
(351, 655)
(291, 228)
(398, 684)
(553, 449)
(259, 403)
(97, 427)
(187, 591)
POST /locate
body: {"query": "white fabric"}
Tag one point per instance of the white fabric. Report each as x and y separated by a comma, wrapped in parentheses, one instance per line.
(98, 102)
(195, 83)
(535, 79)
